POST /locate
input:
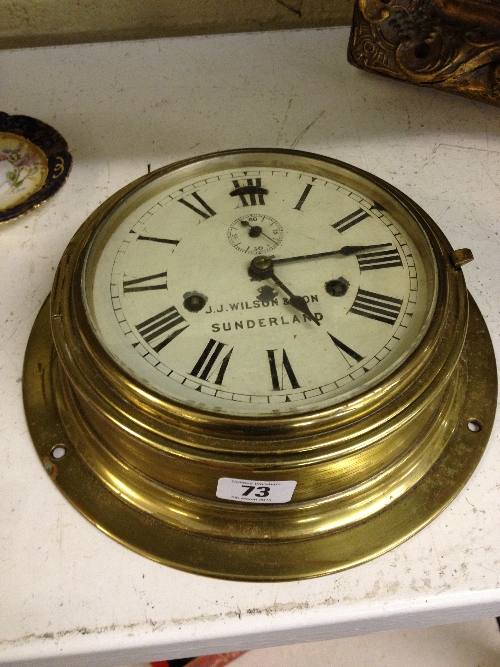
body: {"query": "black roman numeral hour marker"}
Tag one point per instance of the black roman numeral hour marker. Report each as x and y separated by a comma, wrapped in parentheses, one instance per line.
(350, 220)
(251, 193)
(378, 259)
(303, 196)
(156, 281)
(211, 360)
(344, 349)
(161, 329)
(277, 378)
(376, 306)
(157, 239)
(206, 213)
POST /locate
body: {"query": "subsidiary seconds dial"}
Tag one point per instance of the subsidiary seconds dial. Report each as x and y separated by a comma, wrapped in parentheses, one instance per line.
(258, 290)
(255, 233)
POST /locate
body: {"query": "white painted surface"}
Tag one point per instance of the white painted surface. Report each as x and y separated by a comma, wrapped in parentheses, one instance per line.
(473, 644)
(72, 596)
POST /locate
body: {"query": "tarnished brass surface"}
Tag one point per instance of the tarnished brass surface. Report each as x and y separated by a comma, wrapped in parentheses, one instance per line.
(453, 46)
(261, 559)
(370, 471)
(461, 257)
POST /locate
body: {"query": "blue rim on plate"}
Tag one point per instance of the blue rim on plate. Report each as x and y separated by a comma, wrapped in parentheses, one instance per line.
(34, 163)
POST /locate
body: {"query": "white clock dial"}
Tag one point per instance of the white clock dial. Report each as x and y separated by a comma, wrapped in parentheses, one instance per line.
(349, 295)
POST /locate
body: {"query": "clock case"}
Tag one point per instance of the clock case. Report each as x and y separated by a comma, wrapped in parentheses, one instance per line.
(371, 471)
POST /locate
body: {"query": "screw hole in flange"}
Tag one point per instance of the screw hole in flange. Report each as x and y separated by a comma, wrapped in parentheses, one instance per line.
(474, 425)
(58, 452)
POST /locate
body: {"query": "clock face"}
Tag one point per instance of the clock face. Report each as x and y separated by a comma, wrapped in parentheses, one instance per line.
(259, 286)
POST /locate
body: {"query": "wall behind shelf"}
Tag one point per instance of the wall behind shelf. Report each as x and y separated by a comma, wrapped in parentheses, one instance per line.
(27, 23)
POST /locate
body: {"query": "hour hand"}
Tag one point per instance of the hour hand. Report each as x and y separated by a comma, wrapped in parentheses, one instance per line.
(296, 301)
(262, 268)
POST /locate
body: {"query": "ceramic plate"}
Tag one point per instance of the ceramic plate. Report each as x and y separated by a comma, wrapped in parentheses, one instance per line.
(34, 163)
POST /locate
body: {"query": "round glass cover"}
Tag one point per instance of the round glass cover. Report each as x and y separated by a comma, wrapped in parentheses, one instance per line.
(259, 284)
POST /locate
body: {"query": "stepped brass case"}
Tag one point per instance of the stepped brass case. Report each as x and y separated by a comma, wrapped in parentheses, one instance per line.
(371, 470)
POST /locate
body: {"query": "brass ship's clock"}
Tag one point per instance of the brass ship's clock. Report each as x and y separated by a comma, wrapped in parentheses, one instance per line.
(260, 364)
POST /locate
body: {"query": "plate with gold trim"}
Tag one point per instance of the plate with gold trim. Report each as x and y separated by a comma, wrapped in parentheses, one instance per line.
(34, 163)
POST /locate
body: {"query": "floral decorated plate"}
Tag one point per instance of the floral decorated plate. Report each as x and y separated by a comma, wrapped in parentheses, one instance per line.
(34, 163)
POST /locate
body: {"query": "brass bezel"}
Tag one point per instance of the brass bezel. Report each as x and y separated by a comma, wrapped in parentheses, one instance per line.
(155, 463)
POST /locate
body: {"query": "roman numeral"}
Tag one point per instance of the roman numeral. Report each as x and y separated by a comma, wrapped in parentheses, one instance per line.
(350, 220)
(277, 377)
(303, 196)
(206, 213)
(254, 192)
(157, 240)
(161, 329)
(211, 360)
(344, 349)
(376, 306)
(378, 259)
(156, 281)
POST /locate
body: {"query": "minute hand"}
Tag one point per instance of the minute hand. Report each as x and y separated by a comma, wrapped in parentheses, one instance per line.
(345, 250)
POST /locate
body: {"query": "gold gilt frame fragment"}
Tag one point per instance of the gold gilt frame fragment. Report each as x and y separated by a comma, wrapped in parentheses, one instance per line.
(452, 45)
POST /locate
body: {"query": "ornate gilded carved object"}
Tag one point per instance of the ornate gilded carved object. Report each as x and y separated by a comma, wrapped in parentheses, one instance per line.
(453, 45)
